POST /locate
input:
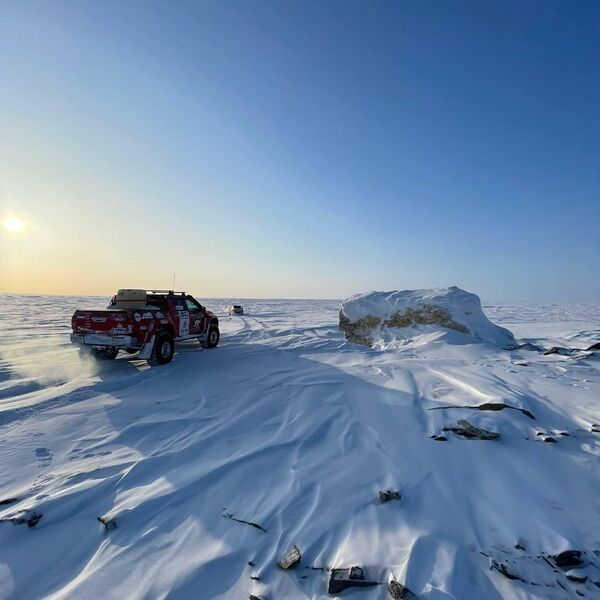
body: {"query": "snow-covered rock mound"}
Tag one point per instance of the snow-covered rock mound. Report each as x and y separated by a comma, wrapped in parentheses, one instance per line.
(373, 317)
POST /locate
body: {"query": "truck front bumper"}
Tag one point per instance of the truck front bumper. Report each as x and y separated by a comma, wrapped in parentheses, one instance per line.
(96, 339)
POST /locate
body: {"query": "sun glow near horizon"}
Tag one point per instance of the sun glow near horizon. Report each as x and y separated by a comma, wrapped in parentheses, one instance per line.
(14, 224)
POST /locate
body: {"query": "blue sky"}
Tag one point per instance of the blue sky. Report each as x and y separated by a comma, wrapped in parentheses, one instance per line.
(302, 149)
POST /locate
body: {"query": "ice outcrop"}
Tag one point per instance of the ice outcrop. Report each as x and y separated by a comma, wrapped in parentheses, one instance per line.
(383, 316)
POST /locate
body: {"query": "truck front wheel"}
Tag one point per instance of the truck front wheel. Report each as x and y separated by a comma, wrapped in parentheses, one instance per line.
(213, 337)
(164, 348)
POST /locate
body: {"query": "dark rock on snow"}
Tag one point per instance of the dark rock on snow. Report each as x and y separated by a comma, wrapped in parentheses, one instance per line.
(571, 351)
(525, 346)
(388, 495)
(553, 349)
(291, 559)
(576, 575)
(465, 429)
(340, 579)
(568, 558)
(398, 591)
(502, 568)
(27, 517)
(561, 351)
(488, 406)
(8, 501)
(439, 438)
(529, 346)
(501, 406)
(109, 524)
(520, 546)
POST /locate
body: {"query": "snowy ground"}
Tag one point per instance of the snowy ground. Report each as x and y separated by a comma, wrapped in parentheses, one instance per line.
(288, 426)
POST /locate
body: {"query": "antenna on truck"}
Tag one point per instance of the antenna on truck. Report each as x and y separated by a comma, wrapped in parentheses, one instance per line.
(173, 279)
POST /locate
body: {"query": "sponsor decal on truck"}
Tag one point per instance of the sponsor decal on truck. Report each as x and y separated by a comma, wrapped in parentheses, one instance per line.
(184, 322)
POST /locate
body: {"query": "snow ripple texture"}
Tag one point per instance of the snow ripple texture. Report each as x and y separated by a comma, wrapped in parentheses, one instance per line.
(289, 426)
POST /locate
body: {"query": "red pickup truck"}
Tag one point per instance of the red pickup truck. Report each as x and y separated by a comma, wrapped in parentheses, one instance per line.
(145, 321)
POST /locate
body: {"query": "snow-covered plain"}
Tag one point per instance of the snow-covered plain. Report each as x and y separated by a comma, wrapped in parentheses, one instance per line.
(289, 426)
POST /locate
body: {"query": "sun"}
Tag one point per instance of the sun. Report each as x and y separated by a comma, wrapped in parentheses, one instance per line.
(14, 224)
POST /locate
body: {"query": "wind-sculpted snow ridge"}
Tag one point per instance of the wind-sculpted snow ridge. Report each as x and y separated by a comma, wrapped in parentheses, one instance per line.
(289, 462)
(381, 318)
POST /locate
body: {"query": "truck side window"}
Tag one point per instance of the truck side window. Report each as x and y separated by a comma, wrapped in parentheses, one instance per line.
(158, 301)
(192, 305)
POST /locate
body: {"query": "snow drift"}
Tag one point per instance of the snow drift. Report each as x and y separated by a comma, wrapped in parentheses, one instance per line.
(375, 317)
(460, 471)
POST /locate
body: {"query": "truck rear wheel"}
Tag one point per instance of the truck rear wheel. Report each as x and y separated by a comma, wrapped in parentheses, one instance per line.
(213, 337)
(164, 348)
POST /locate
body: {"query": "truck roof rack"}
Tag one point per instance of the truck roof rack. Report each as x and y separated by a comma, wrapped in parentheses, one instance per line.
(165, 292)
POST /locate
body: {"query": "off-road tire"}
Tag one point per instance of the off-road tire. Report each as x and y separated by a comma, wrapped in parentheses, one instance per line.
(213, 337)
(108, 353)
(163, 350)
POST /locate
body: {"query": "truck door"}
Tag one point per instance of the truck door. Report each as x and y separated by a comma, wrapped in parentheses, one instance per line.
(182, 328)
(197, 316)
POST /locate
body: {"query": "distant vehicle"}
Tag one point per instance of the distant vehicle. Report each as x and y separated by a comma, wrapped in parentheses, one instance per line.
(145, 321)
(236, 309)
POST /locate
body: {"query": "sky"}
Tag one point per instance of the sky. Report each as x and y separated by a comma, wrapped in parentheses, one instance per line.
(301, 149)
